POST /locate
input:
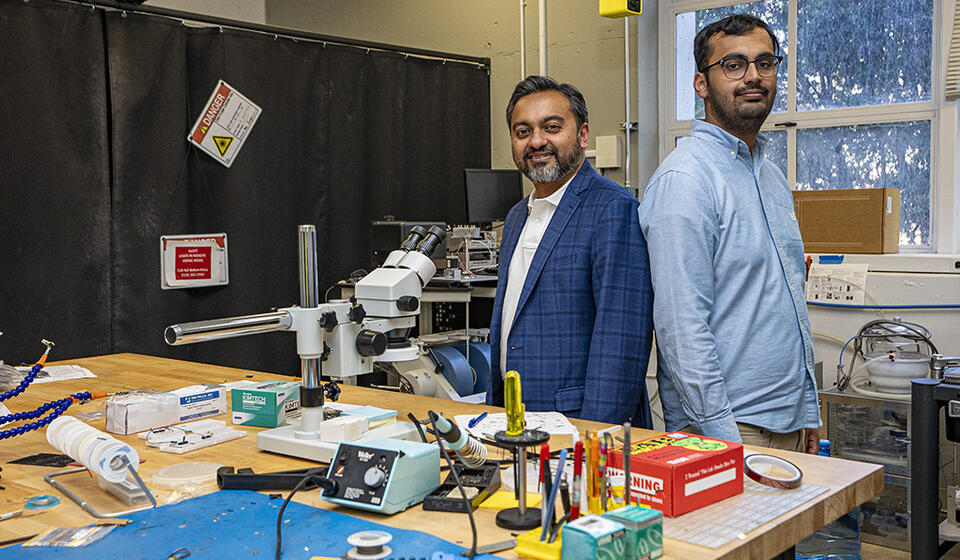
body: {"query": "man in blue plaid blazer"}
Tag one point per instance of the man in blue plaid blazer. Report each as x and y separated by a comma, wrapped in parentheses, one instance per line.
(572, 314)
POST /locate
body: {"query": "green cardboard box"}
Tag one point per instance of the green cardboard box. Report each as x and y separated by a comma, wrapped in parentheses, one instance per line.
(644, 531)
(593, 537)
(268, 405)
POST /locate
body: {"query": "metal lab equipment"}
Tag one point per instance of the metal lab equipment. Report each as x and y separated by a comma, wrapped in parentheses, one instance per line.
(894, 352)
(339, 338)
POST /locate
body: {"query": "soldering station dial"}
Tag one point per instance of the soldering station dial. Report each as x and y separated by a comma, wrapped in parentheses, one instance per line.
(374, 477)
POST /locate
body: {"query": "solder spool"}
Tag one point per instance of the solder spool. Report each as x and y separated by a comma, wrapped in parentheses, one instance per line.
(101, 453)
(369, 545)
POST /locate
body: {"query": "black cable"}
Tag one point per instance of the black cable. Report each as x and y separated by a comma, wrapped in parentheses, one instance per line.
(463, 493)
(416, 424)
(326, 294)
(321, 481)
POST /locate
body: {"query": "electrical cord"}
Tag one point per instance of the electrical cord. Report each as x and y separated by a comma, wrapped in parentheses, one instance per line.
(313, 475)
(463, 493)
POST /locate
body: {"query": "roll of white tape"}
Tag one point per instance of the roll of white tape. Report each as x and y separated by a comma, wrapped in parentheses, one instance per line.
(103, 454)
(772, 471)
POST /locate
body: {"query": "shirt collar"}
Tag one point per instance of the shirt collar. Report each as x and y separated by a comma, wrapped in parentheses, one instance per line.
(730, 143)
(553, 199)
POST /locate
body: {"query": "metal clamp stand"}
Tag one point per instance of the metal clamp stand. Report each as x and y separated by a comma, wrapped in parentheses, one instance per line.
(520, 518)
(87, 507)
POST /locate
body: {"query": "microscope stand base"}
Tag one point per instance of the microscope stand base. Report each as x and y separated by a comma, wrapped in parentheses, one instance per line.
(283, 440)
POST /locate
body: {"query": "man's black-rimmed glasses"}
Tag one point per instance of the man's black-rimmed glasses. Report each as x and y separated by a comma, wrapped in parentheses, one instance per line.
(735, 67)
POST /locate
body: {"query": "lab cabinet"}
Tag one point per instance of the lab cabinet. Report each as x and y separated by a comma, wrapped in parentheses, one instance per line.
(876, 430)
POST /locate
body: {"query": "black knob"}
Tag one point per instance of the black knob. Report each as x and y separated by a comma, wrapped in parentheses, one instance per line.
(408, 303)
(357, 314)
(371, 343)
(328, 320)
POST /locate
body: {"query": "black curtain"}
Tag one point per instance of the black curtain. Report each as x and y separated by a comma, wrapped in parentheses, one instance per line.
(346, 136)
(55, 181)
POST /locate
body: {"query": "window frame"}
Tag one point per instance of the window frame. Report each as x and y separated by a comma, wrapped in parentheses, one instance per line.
(941, 112)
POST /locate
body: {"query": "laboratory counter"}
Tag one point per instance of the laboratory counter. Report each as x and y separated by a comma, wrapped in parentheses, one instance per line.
(849, 483)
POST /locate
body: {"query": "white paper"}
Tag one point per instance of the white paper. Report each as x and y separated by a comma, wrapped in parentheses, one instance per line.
(49, 374)
(837, 283)
(553, 423)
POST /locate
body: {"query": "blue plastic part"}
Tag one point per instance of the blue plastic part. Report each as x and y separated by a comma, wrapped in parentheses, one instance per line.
(830, 259)
(456, 369)
(480, 362)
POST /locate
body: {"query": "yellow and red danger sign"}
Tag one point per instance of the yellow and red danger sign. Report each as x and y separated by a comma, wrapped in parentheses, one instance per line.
(225, 123)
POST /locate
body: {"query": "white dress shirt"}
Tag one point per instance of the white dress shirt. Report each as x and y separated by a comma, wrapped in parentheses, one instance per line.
(539, 214)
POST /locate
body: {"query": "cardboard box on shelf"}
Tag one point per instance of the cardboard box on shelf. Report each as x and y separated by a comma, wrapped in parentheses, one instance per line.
(849, 220)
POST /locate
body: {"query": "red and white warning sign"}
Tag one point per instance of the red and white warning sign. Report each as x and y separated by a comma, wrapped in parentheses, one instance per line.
(191, 261)
(226, 121)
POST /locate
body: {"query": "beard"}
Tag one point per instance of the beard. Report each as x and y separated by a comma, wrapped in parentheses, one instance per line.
(566, 161)
(745, 117)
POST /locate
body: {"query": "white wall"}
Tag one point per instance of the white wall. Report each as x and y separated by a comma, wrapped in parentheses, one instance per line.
(253, 11)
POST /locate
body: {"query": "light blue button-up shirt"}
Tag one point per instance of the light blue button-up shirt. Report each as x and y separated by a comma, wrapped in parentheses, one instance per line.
(733, 337)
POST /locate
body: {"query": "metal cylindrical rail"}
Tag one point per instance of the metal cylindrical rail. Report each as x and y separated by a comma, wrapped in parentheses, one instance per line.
(230, 327)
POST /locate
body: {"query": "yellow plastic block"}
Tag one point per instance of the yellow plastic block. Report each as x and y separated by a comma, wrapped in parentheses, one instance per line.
(529, 545)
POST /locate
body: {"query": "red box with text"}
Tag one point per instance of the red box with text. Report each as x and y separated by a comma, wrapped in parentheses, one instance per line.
(677, 472)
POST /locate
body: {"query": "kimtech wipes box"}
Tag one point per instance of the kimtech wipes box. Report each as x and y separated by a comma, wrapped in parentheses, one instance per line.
(677, 472)
(268, 405)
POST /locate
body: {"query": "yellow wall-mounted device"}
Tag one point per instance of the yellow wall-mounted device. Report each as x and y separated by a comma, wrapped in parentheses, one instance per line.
(620, 8)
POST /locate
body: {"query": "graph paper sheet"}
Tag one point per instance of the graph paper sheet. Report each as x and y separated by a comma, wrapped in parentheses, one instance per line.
(717, 524)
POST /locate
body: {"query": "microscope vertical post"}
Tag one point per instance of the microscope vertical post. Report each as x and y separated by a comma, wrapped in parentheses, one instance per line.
(311, 392)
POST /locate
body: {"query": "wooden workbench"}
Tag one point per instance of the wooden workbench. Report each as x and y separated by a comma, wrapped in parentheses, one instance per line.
(850, 483)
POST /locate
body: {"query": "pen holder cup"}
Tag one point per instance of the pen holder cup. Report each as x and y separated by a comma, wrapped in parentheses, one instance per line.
(529, 545)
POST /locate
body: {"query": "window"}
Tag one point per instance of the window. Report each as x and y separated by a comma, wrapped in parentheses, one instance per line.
(855, 106)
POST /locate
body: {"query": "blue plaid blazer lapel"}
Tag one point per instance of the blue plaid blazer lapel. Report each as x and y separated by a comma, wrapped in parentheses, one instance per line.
(568, 205)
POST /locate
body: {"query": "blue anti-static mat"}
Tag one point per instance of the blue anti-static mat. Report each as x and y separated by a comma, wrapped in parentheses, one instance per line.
(240, 524)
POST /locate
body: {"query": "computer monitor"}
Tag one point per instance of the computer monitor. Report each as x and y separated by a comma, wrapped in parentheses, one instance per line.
(491, 193)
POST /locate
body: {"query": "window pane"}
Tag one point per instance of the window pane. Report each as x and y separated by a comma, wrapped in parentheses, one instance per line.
(873, 156)
(689, 104)
(852, 54)
(775, 148)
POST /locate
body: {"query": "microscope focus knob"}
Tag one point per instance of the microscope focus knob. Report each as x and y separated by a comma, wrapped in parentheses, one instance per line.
(408, 303)
(374, 477)
(356, 314)
(371, 343)
(328, 321)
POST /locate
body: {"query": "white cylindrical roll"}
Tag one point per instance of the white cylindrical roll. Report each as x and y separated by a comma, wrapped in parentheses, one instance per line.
(98, 451)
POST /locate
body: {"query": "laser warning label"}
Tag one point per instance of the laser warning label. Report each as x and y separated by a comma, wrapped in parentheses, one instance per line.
(225, 123)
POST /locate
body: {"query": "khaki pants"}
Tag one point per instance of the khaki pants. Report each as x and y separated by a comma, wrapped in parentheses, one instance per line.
(754, 435)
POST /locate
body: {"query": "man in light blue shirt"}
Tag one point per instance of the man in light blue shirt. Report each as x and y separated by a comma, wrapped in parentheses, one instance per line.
(734, 342)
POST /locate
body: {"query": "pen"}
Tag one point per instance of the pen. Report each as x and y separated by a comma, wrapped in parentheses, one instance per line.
(565, 497)
(595, 454)
(11, 515)
(551, 503)
(577, 475)
(472, 423)
(544, 493)
(606, 447)
(548, 478)
(626, 463)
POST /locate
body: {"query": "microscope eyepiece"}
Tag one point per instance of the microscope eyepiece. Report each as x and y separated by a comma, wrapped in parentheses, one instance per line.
(416, 234)
(434, 237)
